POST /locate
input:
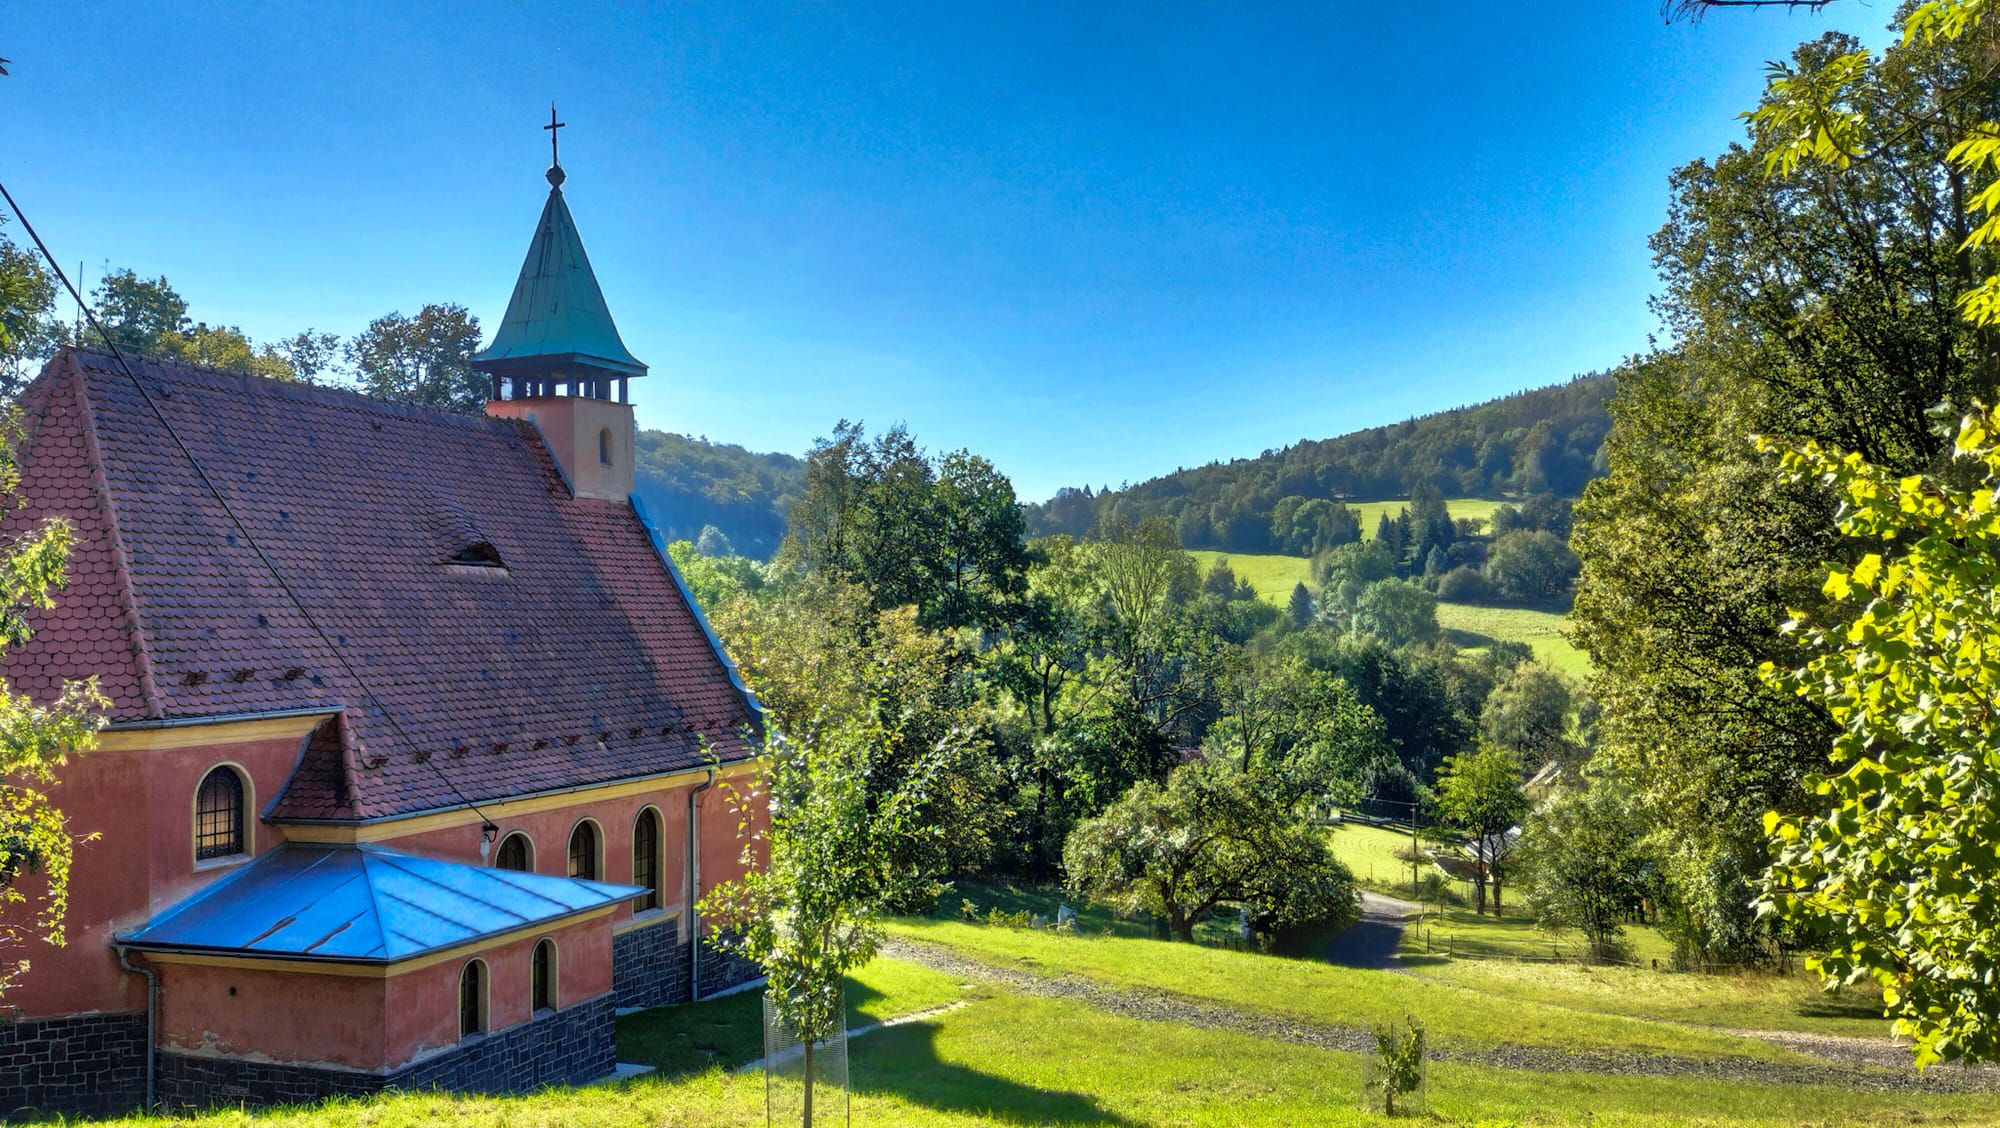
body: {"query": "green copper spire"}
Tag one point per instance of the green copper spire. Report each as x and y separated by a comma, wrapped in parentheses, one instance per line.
(557, 326)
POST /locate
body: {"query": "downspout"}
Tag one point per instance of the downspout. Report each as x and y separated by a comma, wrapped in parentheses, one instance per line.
(694, 889)
(152, 1016)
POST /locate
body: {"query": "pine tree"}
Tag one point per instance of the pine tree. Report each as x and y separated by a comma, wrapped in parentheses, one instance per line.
(1301, 606)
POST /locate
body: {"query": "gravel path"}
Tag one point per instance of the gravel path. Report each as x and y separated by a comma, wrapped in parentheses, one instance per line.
(1161, 1006)
(1372, 941)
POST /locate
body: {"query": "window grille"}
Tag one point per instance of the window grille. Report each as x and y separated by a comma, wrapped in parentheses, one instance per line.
(583, 851)
(218, 815)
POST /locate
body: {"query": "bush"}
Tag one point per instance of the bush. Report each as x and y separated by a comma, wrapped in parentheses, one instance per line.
(1464, 584)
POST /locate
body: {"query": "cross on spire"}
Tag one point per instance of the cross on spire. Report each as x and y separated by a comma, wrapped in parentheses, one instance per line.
(555, 158)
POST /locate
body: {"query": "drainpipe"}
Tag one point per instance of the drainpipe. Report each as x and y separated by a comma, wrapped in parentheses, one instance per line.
(152, 1013)
(694, 890)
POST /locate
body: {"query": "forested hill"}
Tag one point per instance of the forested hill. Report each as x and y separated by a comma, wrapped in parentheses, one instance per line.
(1540, 441)
(688, 484)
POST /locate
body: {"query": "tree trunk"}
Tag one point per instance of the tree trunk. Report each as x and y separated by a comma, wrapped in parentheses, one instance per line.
(1182, 926)
(808, 1121)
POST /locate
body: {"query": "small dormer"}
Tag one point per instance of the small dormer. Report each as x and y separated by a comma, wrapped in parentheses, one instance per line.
(557, 359)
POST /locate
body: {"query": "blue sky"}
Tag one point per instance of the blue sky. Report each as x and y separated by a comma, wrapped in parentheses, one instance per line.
(1094, 243)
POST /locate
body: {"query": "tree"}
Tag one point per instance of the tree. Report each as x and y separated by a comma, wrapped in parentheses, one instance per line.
(1300, 609)
(424, 359)
(836, 848)
(1893, 875)
(314, 357)
(1584, 863)
(1814, 304)
(712, 543)
(1396, 613)
(1528, 713)
(1531, 566)
(982, 557)
(140, 315)
(1210, 836)
(28, 329)
(1346, 572)
(1479, 794)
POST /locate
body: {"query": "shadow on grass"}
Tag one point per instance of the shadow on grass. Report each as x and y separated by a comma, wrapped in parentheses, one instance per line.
(691, 1038)
(903, 1062)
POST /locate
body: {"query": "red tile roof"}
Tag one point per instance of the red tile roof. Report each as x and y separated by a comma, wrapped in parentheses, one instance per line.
(582, 663)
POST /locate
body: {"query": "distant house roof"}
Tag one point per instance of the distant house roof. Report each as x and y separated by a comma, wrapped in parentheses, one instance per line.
(557, 314)
(363, 904)
(577, 659)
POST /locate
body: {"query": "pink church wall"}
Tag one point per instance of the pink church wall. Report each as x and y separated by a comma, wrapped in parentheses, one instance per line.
(285, 1016)
(140, 805)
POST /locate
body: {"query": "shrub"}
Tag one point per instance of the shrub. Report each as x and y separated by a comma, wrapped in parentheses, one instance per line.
(1464, 584)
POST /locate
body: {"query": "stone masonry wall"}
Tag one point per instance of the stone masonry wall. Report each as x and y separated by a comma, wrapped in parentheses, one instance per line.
(649, 965)
(569, 1047)
(82, 1065)
(721, 969)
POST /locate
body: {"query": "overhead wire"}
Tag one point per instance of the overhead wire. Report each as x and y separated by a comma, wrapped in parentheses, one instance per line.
(369, 696)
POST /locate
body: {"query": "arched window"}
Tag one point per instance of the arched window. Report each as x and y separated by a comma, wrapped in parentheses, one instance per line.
(583, 851)
(472, 999)
(515, 853)
(604, 446)
(646, 858)
(543, 975)
(218, 815)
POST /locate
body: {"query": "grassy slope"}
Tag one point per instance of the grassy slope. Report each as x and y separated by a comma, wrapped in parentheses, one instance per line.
(1301, 989)
(1015, 1060)
(1008, 1059)
(1371, 853)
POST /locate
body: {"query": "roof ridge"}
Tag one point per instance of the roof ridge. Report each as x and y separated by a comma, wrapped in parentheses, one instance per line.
(331, 395)
(128, 595)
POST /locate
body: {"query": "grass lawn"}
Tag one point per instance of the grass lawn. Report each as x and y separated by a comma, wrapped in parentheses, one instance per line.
(1741, 1001)
(1371, 852)
(1314, 992)
(728, 1032)
(1469, 934)
(1017, 1060)
(1473, 626)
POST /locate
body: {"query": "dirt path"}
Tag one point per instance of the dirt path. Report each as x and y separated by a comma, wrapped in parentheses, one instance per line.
(1161, 1006)
(1372, 942)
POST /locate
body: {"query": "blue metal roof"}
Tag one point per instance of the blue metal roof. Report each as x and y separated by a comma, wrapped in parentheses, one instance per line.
(364, 903)
(557, 314)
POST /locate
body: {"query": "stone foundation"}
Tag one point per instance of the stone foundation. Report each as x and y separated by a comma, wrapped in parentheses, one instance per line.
(570, 1047)
(722, 969)
(82, 1065)
(649, 965)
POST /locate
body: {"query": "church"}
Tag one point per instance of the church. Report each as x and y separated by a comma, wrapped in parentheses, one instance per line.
(420, 754)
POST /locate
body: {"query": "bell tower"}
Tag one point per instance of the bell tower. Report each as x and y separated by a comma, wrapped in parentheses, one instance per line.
(557, 359)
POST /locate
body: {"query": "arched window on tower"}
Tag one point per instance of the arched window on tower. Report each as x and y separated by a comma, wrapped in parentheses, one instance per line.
(583, 851)
(646, 859)
(218, 815)
(604, 446)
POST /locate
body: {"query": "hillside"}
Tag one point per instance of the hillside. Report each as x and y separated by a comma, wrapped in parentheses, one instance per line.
(1540, 441)
(688, 483)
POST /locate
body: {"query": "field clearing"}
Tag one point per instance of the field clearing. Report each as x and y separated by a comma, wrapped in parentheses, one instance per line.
(1473, 626)
(1273, 576)
(1470, 625)
(1371, 512)
(1370, 853)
